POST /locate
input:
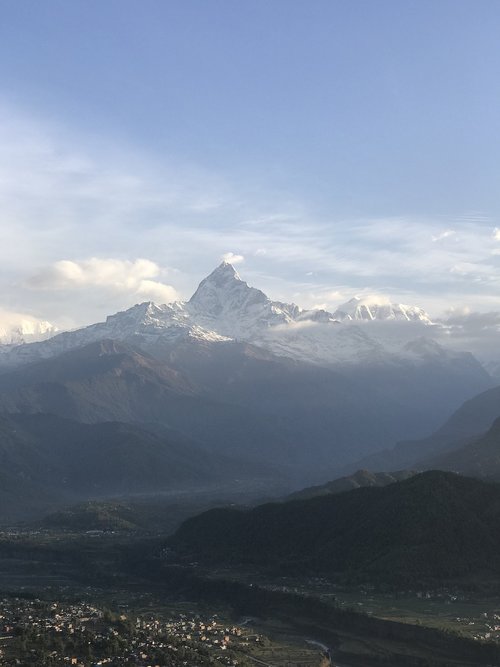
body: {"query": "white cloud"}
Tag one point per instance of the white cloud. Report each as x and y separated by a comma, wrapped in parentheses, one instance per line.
(496, 234)
(473, 331)
(134, 278)
(151, 290)
(458, 311)
(374, 299)
(118, 273)
(473, 322)
(232, 258)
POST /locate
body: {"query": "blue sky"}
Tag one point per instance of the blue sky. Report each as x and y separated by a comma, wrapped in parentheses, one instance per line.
(338, 147)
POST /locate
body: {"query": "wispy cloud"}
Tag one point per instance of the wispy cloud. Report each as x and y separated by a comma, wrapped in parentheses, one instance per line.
(443, 235)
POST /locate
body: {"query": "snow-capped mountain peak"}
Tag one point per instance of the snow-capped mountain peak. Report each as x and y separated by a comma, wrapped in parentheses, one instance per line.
(17, 329)
(223, 291)
(225, 271)
(369, 308)
(226, 303)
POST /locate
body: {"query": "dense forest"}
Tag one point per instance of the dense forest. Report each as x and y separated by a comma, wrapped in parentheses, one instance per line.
(435, 525)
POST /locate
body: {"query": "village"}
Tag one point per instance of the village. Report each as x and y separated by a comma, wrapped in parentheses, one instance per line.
(36, 632)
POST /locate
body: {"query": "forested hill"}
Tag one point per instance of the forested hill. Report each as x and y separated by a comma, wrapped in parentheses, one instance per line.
(355, 481)
(436, 525)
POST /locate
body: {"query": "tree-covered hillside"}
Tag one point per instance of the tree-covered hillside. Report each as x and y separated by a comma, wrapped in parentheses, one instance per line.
(435, 525)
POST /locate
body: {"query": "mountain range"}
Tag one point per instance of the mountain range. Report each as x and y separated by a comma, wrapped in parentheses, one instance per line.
(225, 314)
(266, 386)
(225, 308)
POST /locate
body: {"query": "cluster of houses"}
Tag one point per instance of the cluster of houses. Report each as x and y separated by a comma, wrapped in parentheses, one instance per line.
(490, 629)
(83, 635)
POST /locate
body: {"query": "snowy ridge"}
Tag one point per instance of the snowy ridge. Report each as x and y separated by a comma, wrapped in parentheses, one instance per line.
(375, 308)
(225, 308)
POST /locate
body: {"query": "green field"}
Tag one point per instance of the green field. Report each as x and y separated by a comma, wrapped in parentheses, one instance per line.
(462, 613)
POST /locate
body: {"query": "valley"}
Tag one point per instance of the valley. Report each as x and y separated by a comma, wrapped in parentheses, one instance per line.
(128, 596)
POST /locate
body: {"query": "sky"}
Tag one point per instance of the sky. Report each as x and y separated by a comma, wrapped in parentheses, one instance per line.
(327, 147)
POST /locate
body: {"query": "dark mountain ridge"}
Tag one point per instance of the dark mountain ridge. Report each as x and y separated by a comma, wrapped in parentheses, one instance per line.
(435, 526)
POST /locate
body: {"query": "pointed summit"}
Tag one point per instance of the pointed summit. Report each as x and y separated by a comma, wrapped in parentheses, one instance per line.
(223, 278)
(225, 272)
(222, 291)
(225, 303)
(227, 267)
